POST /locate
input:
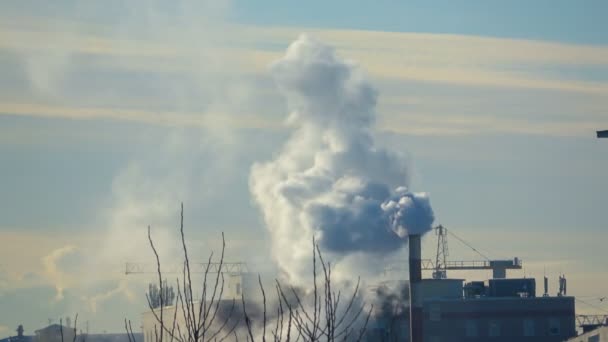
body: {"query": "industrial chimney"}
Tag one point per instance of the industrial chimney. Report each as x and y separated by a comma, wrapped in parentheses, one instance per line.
(415, 282)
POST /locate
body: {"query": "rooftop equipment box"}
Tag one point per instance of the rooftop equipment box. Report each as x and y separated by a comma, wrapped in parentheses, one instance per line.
(524, 287)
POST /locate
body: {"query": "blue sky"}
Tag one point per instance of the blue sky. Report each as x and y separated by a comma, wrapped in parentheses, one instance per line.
(113, 113)
(561, 20)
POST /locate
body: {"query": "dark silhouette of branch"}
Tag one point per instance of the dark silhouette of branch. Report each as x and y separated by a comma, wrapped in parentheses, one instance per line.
(129, 330)
(75, 327)
(200, 320)
(247, 319)
(323, 314)
(160, 284)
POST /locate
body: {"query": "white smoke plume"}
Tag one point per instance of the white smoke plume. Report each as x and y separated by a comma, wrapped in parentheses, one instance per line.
(54, 272)
(330, 180)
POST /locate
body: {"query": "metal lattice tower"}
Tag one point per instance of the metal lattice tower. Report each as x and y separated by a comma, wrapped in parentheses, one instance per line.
(442, 253)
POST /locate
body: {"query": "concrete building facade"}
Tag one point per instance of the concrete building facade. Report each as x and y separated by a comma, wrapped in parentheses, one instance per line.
(501, 311)
(504, 310)
(539, 319)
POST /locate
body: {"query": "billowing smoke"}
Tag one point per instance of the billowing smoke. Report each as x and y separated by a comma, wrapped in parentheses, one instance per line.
(330, 180)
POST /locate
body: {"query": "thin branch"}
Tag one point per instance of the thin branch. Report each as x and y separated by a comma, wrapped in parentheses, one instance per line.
(160, 284)
(75, 327)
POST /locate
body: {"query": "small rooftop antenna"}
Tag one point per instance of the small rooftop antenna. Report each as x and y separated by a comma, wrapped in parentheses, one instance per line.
(546, 283)
(562, 286)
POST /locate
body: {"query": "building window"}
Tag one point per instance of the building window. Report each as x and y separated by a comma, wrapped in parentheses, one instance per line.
(554, 327)
(494, 329)
(594, 338)
(471, 328)
(528, 327)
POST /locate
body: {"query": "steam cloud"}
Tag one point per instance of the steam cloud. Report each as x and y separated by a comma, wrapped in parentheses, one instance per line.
(330, 180)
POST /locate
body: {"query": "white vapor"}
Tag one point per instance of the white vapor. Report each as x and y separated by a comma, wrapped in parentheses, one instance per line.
(176, 164)
(122, 288)
(52, 270)
(330, 180)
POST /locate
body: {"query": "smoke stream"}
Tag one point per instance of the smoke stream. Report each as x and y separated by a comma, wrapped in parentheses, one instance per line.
(330, 180)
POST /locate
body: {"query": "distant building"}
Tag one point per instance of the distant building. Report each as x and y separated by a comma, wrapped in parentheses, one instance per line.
(120, 337)
(236, 285)
(61, 333)
(597, 335)
(151, 319)
(19, 337)
(54, 333)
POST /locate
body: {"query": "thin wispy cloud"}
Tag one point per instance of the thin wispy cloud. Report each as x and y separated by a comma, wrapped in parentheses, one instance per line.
(393, 59)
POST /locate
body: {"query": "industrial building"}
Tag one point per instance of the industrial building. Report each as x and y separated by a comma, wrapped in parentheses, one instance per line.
(503, 310)
(61, 333)
(441, 309)
(499, 309)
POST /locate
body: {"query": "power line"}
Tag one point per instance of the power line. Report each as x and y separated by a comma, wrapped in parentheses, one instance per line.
(468, 245)
(591, 305)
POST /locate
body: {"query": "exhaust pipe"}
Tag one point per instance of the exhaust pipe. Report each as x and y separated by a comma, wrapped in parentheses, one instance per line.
(415, 265)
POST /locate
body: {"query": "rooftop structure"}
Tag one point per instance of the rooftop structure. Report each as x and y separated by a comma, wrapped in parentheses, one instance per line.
(500, 309)
(19, 337)
(503, 310)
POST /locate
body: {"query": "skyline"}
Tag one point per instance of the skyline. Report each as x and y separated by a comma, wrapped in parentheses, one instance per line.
(111, 115)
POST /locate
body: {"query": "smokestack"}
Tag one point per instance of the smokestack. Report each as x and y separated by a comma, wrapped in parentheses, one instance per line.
(415, 282)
